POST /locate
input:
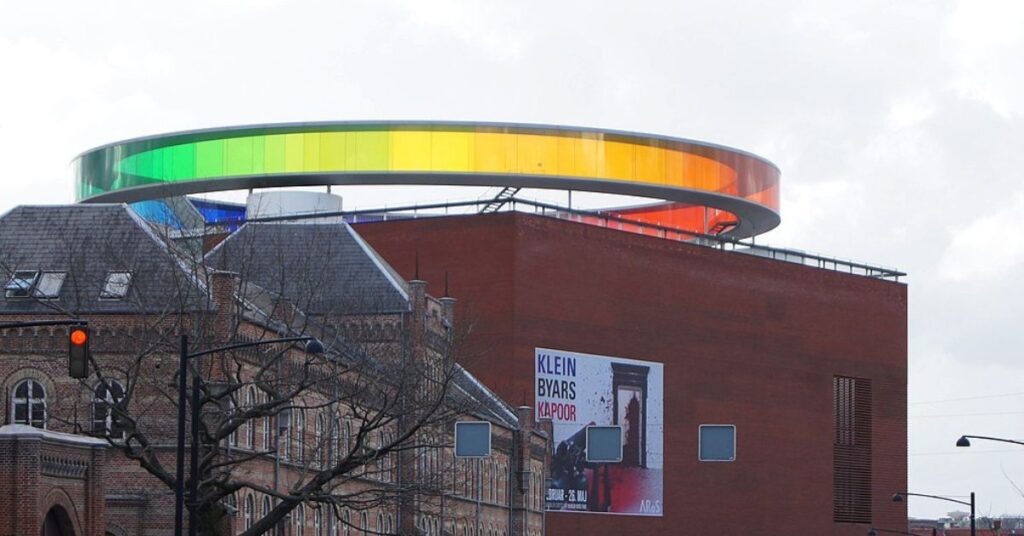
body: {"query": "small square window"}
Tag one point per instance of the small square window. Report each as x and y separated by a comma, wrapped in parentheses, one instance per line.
(49, 285)
(717, 443)
(20, 285)
(116, 286)
(604, 444)
(472, 439)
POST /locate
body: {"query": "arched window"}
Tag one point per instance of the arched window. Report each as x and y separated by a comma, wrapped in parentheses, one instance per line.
(346, 524)
(347, 437)
(332, 522)
(318, 522)
(266, 507)
(105, 399)
(494, 481)
(284, 439)
(28, 405)
(389, 528)
(318, 446)
(250, 403)
(380, 522)
(266, 431)
(232, 504)
(232, 410)
(300, 435)
(335, 437)
(300, 520)
(364, 523)
(486, 477)
(249, 511)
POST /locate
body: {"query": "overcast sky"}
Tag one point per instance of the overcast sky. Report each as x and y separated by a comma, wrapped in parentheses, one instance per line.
(899, 128)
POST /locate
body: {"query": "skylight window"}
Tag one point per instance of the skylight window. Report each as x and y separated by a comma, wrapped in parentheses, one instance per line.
(116, 286)
(20, 285)
(49, 285)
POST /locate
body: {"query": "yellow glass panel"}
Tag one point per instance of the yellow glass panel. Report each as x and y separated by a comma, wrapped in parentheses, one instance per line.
(674, 168)
(451, 151)
(589, 159)
(494, 152)
(372, 148)
(351, 152)
(332, 151)
(311, 152)
(650, 163)
(619, 160)
(410, 150)
(568, 146)
(293, 152)
(538, 155)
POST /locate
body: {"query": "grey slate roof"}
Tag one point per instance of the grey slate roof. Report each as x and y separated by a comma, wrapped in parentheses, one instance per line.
(323, 269)
(468, 392)
(88, 241)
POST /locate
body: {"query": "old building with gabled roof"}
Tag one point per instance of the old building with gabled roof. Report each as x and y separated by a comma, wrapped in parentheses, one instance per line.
(339, 443)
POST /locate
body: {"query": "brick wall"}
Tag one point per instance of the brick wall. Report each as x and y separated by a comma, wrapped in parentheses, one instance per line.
(745, 340)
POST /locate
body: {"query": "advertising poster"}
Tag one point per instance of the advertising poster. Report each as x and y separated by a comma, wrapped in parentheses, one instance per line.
(578, 390)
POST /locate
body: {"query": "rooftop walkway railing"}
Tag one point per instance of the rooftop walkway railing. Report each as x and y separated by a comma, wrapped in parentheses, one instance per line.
(603, 219)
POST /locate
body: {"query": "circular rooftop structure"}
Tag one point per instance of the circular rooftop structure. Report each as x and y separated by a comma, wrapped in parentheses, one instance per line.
(695, 186)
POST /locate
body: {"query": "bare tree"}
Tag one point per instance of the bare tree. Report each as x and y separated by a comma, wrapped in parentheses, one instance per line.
(360, 427)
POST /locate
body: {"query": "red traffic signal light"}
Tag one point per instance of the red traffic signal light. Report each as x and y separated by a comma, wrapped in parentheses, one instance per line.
(78, 352)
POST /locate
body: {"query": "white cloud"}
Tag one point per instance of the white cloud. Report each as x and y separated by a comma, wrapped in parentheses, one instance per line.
(988, 247)
(986, 38)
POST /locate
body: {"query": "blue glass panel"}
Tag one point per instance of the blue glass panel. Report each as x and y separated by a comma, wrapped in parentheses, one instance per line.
(158, 212)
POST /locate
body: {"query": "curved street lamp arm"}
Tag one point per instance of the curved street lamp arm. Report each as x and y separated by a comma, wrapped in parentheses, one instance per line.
(939, 497)
(248, 345)
(891, 531)
(994, 439)
(36, 323)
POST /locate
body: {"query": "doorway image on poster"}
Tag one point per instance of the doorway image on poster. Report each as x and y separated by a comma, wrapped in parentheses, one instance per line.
(577, 390)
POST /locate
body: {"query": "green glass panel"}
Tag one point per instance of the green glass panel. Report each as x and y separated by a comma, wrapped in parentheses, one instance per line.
(128, 165)
(156, 165)
(274, 153)
(238, 156)
(258, 150)
(167, 173)
(184, 162)
(143, 164)
(209, 159)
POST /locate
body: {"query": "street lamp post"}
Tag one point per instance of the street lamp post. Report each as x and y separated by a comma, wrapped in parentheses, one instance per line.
(313, 346)
(899, 496)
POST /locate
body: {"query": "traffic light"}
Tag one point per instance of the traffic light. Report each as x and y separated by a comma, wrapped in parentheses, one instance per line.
(78, 352)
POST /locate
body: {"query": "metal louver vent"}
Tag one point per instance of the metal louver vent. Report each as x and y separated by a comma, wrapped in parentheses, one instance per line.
(851, 450)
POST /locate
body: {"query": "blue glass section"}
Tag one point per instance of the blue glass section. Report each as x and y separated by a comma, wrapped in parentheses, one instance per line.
(231, 215)
(157, 211)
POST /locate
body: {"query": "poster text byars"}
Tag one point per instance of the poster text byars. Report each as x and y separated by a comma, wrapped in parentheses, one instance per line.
(576, 390)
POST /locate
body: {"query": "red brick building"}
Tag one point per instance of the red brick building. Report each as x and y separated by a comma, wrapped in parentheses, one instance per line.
(808, 364)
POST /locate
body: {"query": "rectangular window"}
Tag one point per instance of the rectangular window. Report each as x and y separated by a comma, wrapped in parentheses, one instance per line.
(116, 286)
(851, 450)
(20, 285)
(49, 285)
(717, 443)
